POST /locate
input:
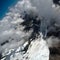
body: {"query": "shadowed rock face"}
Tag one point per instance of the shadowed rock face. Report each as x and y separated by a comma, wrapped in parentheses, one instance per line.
(54, 33)
(0, 56)
(54, 51)
(56, 57)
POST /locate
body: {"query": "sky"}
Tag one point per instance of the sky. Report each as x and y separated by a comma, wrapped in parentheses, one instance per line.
(4, 6)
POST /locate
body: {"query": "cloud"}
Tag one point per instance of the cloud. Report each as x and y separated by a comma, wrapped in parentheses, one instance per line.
(10, 28)
(9, 25)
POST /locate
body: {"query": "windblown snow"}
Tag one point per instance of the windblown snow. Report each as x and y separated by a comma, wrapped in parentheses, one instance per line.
(37, 50)
(12, 36)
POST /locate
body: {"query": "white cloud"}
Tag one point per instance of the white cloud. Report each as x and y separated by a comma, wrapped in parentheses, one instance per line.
(12, 18)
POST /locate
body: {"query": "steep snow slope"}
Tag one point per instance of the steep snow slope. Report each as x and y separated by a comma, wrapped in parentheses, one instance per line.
(38, 50)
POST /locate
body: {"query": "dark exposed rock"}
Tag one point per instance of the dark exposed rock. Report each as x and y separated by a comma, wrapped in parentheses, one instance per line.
(54, 51)
(53, 33)
(0, 56)
(31, 22)
(4, 42)
(56, 2)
